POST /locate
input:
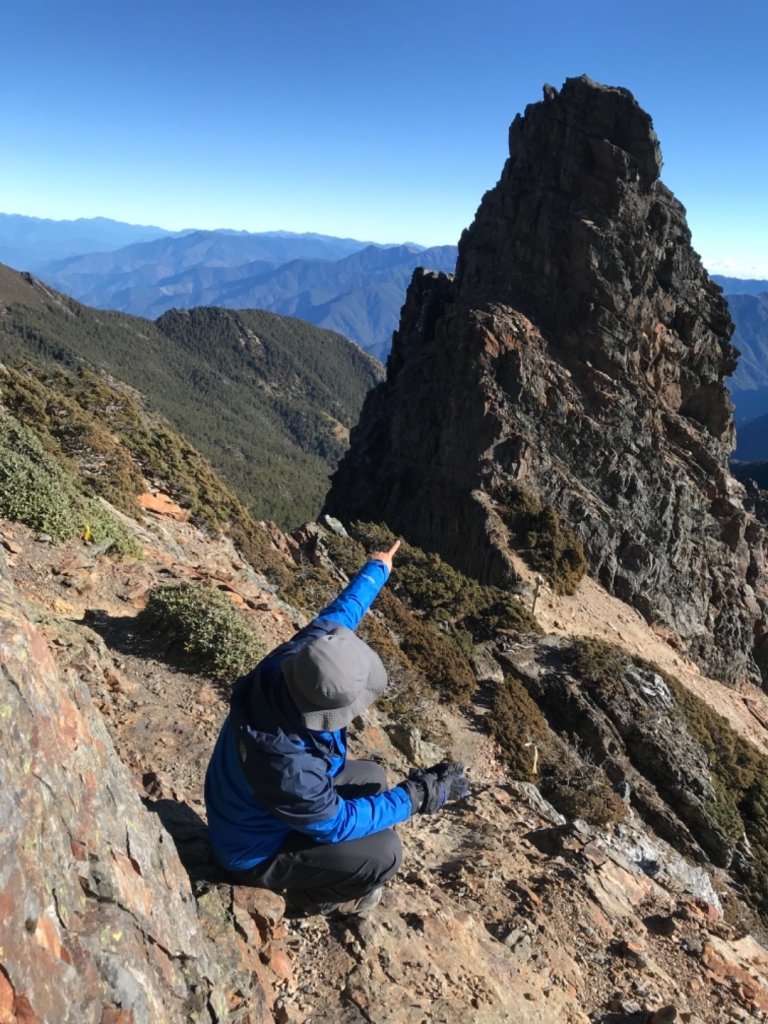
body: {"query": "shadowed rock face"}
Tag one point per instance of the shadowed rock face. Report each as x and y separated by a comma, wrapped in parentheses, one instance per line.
(580, 351)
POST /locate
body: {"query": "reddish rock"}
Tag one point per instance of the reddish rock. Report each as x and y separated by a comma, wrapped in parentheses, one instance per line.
(96, 907)
(6, 998)
(114, 1015)
(162, 505)
(266, 908)
(280, 964)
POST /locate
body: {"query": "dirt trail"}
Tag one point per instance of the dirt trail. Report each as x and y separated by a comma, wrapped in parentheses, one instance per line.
(593, 612)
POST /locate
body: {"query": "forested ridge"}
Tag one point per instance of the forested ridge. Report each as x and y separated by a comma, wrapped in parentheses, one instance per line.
(268, 399)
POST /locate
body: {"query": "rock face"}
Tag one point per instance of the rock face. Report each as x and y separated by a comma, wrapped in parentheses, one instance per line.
(97, 919)
(580, 352)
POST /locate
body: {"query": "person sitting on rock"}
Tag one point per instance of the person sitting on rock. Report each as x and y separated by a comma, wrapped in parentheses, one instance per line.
(286, 810)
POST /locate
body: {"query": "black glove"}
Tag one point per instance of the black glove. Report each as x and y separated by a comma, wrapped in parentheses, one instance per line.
(430, 788)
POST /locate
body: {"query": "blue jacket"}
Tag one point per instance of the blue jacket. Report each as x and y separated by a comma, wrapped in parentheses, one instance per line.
(269, 776)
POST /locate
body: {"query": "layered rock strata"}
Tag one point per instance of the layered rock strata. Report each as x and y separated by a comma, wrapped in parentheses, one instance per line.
(580, 352)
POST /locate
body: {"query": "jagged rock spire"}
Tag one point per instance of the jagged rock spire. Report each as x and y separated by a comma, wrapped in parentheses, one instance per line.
(582, 237)
(580, 352)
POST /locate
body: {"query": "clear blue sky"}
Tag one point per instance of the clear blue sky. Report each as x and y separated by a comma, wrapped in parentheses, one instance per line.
(383, 121)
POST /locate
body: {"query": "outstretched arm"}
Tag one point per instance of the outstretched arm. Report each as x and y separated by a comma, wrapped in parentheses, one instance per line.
(357, 597)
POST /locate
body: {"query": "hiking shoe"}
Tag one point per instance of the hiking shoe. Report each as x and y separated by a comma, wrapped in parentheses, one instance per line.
(361, 905)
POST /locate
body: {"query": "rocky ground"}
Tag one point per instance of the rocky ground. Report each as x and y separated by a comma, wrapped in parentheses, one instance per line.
(502, 912)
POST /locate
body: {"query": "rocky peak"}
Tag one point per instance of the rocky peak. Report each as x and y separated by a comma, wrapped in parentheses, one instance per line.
(582, 237)
(579, 353)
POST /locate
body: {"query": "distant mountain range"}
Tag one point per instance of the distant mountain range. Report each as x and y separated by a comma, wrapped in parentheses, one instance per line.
(28, 242)
(358, 294)
(342, 284)
(740, 285)
(748, 303)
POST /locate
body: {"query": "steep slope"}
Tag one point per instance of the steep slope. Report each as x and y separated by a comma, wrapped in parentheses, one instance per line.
(504, 911)
(269, 400)
(577, 362)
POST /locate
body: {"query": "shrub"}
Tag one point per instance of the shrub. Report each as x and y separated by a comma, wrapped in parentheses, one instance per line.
(36, 490)
(442, 663)
(519, 728)
(598, 665)
(217, 637)
(428, 584)
(565, 773)
(549, 546)
(592, 799)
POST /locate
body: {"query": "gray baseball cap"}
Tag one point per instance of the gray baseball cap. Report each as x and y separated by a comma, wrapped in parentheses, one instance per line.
(333, 679)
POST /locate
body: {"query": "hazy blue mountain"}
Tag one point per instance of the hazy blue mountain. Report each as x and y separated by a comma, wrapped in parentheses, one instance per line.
(749, 384)
(166, 257)
(360, 296)
(757, 471)
(357, 293)
(752, 441)
(26, 243)
(750, 314)
(749, 404)
(740, 285)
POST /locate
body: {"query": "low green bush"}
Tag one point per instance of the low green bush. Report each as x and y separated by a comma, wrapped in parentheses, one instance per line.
(535, 753)
(35, 489)
(440, 660)
(598, 665)
(591, 798)
(217, 637)
(546, 543)
(427, 584)
(519, 727)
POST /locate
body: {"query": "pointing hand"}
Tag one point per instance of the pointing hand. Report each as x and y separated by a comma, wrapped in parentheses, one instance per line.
(385, 556)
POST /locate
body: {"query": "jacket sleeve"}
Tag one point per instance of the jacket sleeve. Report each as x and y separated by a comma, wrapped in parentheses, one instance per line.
(357, 597)
(297, 790)
(341, 819)
(362, 816)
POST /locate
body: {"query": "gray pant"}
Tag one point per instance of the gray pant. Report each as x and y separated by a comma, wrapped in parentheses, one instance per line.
(317, 876)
